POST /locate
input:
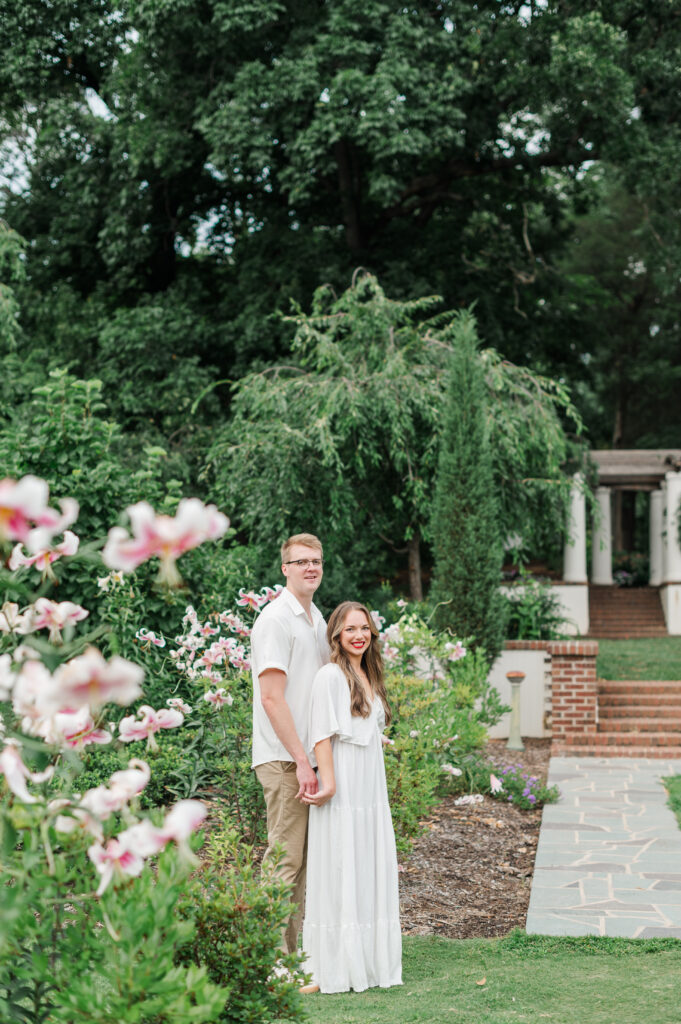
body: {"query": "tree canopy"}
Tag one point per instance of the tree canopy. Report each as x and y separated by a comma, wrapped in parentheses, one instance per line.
(238, 155)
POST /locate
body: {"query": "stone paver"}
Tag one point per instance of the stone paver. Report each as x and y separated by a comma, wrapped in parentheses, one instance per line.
(609, 853)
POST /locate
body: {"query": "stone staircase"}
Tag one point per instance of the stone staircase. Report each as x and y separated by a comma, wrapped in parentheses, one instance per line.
(635, 719)
(625, 612)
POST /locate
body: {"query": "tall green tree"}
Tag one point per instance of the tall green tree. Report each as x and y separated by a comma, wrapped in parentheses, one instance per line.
(466, 525)
(343, 438)
(240, 154)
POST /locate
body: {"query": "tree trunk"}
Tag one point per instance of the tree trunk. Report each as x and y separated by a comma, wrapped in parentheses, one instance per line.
(414, 549)
(348, 184)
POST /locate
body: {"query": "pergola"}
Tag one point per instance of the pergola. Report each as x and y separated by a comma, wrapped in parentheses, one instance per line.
(656, 471)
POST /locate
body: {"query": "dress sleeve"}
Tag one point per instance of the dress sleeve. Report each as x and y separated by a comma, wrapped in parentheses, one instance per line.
(329, 706)
(330, 713)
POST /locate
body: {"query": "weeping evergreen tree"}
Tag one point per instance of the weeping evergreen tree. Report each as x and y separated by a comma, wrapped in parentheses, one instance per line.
(467, 541)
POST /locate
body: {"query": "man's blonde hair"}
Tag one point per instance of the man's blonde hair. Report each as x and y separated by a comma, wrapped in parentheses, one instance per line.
(308, 539)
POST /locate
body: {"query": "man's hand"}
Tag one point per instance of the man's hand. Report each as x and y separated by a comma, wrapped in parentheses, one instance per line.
(307, 780)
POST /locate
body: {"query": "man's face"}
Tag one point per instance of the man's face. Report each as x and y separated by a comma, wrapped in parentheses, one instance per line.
(303, 579)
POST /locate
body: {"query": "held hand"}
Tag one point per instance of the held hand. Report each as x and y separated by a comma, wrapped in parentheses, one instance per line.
(307, 780)
(318, 799)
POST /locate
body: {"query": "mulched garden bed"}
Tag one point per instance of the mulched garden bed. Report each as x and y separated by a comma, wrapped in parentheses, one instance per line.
(469, 875)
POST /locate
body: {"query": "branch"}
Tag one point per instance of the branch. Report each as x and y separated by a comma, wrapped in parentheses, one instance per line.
(435, 187)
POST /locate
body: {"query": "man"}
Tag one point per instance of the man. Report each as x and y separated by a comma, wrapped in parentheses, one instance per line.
(288, 647)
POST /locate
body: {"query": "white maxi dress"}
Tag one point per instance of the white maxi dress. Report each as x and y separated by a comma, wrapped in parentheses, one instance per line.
(351, 931)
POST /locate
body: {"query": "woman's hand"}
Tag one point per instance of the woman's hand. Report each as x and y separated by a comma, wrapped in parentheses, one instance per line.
(327, 779)
(321, 797)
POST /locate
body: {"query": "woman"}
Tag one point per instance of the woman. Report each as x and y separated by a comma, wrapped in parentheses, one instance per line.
(351, 932)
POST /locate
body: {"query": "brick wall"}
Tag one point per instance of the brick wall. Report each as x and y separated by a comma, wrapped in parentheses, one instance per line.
(574, 698)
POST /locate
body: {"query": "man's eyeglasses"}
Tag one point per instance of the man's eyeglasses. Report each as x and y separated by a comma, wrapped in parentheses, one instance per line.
(303, 563)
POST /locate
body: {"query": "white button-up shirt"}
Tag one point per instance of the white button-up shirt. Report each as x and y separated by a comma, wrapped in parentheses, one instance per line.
(284, 638)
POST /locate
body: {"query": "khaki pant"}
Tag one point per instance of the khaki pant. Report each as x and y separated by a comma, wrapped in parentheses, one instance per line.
(286, 826)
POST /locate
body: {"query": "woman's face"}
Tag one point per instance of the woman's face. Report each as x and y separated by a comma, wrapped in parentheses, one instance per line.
(355, 636)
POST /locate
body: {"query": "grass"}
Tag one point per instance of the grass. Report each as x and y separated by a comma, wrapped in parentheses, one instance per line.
(672, 783)
(640, 659)
(527, 978)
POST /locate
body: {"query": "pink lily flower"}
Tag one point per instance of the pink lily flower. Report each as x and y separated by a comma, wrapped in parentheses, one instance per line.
(77, 728)
(52, 615)
(271, 593)
(378, 620)
(215, 655)
(165, 536)
(249, 599)
(33, 694)
(211, 675)
(78, 818)
(184, 818)
(10, 619)
(42, 560)
(455, 651)
(147, 638)
(114, 859)
(90, 679)
(218, 698)
(451, 770)
(17, 774)
(131, 728)
(495, 784)
(123, 786)
(207, 630)
(179, 704)
(234, 623)
(7, 676)
(112, 580)
(25, 515)
(469, 799)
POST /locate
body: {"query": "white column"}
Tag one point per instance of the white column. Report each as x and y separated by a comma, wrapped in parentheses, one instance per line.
(574, 551)
(672, 568)
(601, 551)
(656, 527)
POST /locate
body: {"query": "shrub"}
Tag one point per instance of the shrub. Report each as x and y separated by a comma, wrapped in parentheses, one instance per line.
(238, 919)
(474, 774)
(534, 611)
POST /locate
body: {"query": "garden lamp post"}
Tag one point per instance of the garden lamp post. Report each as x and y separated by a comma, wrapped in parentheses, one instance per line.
(514, 738)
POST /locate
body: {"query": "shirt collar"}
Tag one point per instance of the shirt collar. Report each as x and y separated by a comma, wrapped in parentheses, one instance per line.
(297, 608)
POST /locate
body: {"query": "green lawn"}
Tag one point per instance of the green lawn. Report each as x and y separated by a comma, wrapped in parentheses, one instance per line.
(672, 783)
(526, 978)
(640, 659)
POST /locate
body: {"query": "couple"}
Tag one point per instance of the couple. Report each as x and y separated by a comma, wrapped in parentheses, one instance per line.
(319, 700)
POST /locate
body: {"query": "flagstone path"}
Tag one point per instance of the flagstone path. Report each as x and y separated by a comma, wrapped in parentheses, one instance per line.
(609, 853)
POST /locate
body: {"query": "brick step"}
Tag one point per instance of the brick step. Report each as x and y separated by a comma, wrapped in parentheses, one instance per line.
(665, 687)
(639, 712)
(636, 739)
(618, 704)
(638, 724)
(619, 617)
(652, 633)
(583, 750)
(623, 626)
(618, 620)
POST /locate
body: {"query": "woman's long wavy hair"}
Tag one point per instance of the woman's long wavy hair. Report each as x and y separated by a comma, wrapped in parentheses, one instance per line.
(372, 662)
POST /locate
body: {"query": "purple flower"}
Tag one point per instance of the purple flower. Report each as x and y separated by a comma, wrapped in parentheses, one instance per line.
(510, 799)
(532, 798)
